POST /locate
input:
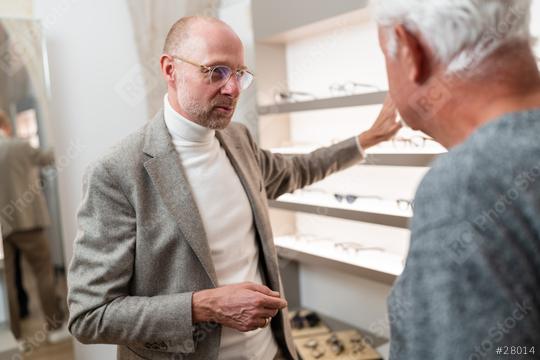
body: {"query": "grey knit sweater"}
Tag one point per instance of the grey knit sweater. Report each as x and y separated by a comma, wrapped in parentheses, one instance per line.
(471, 283)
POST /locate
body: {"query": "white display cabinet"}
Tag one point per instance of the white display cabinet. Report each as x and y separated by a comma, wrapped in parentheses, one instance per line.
(337, 257)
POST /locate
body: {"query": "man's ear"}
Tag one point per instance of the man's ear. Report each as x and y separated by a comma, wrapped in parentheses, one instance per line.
(167, 68)
(412, 54)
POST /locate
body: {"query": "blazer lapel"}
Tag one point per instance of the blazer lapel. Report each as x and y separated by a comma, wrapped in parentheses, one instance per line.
(168, 175)
(253, 191)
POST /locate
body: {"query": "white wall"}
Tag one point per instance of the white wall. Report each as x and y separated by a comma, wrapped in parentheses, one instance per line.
(535, 24)
(16, 8)
(236, 13)
(95, 98)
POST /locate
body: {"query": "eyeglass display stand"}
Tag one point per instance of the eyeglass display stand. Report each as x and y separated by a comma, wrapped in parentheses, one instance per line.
(394, 220)
(8, 345)
(374, 98)
(384, 271)
(379, 158)
(353, 346)
(309, 278)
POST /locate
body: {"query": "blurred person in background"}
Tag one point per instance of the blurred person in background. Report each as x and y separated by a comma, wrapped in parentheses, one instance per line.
(24, 218)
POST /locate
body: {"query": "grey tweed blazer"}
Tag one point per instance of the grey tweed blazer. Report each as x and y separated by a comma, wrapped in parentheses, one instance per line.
(141, 249)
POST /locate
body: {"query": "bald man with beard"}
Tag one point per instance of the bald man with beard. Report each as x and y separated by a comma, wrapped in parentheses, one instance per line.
(174, 257)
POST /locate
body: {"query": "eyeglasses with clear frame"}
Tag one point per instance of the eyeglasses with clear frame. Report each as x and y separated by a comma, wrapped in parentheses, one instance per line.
(414, 142)
(350, 88)
(219, 75)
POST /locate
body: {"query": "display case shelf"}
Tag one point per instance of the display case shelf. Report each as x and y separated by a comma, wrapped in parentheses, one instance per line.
(375, 98)
(396, 219)
(376, 158)
(401, 159)
(375, 265)
(304, 18)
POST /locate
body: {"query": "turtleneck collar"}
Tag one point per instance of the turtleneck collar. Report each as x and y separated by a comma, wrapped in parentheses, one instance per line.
(183, 130)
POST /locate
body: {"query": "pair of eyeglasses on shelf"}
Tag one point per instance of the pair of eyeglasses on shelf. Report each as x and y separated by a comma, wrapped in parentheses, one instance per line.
(412, 142)
(350, 198)
(402, 204)
(351, 88)
(358, 344)
(219, 75)
(346, 246)
(336, 345)
(309, 320)
(355, 247)
(315, 351)
(292, 96)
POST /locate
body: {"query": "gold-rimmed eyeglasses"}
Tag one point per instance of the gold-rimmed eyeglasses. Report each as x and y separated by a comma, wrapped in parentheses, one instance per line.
(219, 75)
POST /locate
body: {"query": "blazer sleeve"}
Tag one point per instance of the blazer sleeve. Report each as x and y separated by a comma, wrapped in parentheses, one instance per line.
(101, 309)
(286, 173)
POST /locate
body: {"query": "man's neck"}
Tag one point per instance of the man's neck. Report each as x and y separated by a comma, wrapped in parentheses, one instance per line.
(478, 101)
(454, 126)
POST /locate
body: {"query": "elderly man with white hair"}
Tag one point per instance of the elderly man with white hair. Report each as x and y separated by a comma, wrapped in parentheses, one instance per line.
(463, 71)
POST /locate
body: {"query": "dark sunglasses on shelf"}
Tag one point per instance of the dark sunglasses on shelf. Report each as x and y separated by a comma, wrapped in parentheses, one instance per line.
(310, 320)
(350, 198)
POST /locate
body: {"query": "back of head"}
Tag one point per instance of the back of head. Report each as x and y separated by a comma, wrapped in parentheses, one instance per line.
(461, 33)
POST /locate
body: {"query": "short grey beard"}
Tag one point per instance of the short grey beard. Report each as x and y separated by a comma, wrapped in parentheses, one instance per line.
(202, 115)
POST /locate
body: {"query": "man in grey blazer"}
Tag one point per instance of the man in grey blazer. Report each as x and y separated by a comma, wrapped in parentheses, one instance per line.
(174, 257)
(23, 219)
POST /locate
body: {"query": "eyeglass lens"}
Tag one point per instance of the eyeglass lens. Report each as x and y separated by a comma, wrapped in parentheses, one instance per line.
(221, 74)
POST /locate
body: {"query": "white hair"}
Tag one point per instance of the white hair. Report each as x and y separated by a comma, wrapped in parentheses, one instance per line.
(461, 33)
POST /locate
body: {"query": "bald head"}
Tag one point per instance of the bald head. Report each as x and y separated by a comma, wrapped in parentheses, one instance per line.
(192, 42)
(184, 31)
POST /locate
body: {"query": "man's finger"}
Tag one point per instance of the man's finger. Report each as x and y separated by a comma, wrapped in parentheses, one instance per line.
(271, 302)
(262, 289)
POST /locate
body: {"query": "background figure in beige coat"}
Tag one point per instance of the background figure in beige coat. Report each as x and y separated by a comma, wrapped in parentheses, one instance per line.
(150, 271)
(24, 217)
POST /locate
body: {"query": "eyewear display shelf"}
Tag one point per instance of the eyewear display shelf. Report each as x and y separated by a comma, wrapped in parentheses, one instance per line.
(376, 265)
(375, 98)
(271, 40)
(306, 20)
(288, 202)
(335, 325)
(378, 157)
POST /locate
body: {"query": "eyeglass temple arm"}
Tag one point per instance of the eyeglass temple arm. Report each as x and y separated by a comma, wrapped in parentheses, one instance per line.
(203, 68)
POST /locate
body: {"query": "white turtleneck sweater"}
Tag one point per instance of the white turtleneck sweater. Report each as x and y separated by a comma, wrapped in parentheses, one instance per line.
(228, 221)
